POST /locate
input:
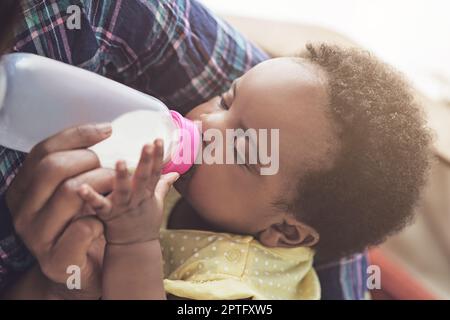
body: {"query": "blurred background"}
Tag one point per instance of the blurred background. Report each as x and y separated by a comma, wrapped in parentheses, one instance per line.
(414, 36)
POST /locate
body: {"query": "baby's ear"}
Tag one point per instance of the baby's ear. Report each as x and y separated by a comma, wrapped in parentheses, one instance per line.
(290, 233)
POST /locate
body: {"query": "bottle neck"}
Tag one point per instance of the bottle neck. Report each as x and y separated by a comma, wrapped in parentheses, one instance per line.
(188, 146)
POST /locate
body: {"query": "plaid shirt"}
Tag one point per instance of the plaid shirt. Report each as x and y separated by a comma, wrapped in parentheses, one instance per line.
(175, 50)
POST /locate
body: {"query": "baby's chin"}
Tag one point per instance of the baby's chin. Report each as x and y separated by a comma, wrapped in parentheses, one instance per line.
(182, 184)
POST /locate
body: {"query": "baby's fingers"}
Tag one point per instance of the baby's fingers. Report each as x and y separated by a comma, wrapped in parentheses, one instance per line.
(164, 184)
(143, 173)
(100, 204)
(158, 152)
(122, 188)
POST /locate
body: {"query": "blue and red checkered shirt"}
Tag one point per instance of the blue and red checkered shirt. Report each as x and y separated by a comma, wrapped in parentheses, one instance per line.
(175, 50)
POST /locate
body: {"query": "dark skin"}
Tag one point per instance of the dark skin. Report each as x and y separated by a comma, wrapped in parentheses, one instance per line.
(132, 215)
(277, 93)
(229, 198)
(49, 217)
(46, 208)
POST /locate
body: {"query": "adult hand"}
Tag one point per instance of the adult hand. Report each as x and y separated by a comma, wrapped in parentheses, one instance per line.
(44, 203)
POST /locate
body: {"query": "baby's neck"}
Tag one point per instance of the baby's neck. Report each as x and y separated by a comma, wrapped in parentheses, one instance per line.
(183, 216)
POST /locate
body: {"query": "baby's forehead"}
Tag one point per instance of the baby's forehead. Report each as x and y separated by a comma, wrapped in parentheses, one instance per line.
(285, 88)
(286, 78)
(291, 96)
(277, 68)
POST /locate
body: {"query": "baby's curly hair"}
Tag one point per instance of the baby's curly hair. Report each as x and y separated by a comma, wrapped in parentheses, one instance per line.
(384, 156)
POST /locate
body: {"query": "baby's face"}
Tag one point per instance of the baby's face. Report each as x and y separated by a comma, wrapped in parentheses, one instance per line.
(277, 94)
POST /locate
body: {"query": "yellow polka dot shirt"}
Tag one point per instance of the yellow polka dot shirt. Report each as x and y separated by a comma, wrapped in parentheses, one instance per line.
(207, 265)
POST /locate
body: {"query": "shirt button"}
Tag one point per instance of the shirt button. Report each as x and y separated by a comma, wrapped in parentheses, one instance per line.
(233, 255)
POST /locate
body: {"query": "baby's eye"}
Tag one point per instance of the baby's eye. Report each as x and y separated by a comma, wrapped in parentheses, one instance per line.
(223, 103)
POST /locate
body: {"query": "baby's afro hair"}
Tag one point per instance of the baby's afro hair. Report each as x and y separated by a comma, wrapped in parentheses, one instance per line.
(383, 160)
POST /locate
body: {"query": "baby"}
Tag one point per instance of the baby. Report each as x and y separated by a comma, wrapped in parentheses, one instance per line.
(353, 156)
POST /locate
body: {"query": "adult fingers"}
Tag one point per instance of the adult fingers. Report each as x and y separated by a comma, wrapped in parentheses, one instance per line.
(71, 249)
(65, 204)
(100, 204)
(50, 173)
(73, 138)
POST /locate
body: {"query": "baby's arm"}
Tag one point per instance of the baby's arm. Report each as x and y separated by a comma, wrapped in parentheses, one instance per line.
(132, 214)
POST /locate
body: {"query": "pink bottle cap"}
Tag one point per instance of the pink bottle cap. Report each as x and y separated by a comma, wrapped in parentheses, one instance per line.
(189, 141)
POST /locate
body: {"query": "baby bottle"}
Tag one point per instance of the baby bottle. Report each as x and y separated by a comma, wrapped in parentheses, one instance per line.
(40, 97)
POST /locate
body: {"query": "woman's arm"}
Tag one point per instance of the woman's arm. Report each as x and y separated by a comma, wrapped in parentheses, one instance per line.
(42, 201)
(33, 285)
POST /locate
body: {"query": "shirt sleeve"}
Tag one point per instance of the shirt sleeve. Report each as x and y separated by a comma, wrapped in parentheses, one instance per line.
(191, 55)
(345, 279)
(177, 51)
(14, 256)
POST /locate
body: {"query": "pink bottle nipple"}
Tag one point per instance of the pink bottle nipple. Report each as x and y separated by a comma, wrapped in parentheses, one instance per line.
(189, 141)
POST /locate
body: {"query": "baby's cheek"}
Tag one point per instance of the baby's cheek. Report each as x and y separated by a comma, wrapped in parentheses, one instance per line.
(219, 198)
(200, 189)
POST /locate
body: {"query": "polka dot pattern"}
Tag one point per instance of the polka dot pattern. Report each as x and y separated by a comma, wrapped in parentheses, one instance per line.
(207, 265)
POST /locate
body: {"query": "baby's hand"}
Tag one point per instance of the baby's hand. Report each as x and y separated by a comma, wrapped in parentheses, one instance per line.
(133, 211)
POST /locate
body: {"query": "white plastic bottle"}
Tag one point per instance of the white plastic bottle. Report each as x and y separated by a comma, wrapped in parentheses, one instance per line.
(40, 97)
